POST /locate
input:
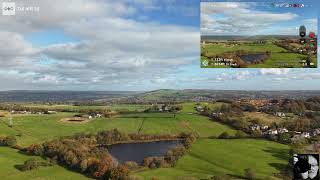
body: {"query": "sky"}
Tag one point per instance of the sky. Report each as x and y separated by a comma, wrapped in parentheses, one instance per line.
(124, 45)
(256, 18)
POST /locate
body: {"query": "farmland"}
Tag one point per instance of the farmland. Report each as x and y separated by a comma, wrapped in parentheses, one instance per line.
(208, 156)
(211, 157)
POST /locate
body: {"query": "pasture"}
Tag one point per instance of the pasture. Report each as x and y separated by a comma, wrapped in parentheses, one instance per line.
(209, 157)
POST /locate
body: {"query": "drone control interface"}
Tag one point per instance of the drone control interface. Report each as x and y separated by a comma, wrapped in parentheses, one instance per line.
(258, 34)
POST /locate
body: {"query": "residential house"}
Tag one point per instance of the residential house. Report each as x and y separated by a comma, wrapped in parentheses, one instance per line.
(199, 108)
(280, 114)
(273, 132)
(282, 130)
(254, 127)
(315, 132)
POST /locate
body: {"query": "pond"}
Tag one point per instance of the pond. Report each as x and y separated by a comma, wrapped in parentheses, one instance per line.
(249, 58)
(138, 151)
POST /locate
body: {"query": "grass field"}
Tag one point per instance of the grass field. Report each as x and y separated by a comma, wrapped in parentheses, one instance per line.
(207, 157)
(189, 107)
(10, 158)
(212, 157)
(278, 54)
(37, 128)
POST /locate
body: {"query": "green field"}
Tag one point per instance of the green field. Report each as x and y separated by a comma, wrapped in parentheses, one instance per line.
(10, 159)
(38, 128)
(278, 54)
(189, 107)
(207, 157)
(212, 157)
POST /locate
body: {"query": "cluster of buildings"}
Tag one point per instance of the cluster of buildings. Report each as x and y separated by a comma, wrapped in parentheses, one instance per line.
(90, 115)
(164, 108)
(32, 112)
(296, 135)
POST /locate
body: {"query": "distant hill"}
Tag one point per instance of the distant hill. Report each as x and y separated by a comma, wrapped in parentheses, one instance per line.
(60, 96)
(157, 96)
(167, 95)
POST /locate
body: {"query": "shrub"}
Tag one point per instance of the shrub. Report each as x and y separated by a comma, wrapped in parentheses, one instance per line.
(8, 141)
(33, 163)
(119, 173)
(224, 135)
(131, 165)
(35, 149)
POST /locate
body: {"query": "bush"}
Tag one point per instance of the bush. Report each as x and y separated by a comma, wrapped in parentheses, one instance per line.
(131, 164)
(33, 163)
(35, 149)
(119, 173)
(224, 135)
(250, 174)
(8, 141)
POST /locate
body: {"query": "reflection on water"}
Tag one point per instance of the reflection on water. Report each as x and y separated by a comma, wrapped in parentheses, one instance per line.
(253, 57)
(138, 151)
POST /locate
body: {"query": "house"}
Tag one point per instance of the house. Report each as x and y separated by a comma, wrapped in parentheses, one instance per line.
(315, 132)
(52, 112)
(280, 114)
(272, 132)
(305, 135)
(264, 127)
(199, 108)
(164, 108)
(282, 130)
(216, 114)
(254, 127)
(99, 115)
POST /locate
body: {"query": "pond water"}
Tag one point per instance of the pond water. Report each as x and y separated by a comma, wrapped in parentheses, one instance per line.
(252, 57)
(138, 151)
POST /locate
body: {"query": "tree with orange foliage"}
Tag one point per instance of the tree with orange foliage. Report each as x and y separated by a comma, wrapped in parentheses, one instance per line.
(104, 164)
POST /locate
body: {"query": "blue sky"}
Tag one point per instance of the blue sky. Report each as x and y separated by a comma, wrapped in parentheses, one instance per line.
(257, 18)
(124, 45)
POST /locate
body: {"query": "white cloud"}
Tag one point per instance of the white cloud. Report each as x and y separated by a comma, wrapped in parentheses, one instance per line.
(233, 18)
(108, 43)
(274, 71)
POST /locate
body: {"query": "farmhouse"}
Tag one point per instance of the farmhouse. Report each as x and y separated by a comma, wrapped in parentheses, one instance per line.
(254, 127)
(315, 132)
(280, 114)
(199, 108)
(272, 132)
(164, 108)
(282, 130)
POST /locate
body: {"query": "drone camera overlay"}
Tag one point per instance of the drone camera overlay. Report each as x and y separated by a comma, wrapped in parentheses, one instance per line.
(258, 35)
(305, 166)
